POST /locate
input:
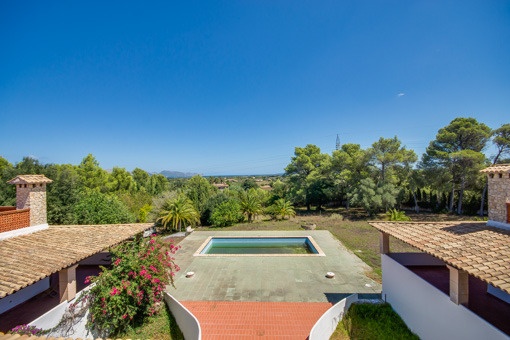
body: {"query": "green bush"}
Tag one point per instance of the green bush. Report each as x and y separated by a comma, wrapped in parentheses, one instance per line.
(280, 209)
(95, 207)
(212, 203)
(132, 289)
(396, 215)
(227, 214)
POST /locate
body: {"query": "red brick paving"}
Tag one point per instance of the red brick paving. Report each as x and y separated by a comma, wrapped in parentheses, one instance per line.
(255, 320)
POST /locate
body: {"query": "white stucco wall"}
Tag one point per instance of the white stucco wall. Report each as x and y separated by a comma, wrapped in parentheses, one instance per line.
(51, 319)
(23, 231)
(427, 311)
(187, 322)
(326, 325)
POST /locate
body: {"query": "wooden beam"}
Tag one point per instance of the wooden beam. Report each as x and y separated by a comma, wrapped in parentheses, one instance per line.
(384, 242)
(459, 286)
(67, 283)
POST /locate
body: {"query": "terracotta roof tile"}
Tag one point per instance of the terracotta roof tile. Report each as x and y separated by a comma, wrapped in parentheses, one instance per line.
(29, 179)
(480, 250)
(27, 259)
(497, 168)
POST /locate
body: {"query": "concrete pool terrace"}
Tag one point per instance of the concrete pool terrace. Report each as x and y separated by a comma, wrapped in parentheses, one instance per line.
(270, 278)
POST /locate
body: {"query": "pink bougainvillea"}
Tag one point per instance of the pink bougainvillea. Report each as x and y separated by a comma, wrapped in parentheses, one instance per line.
(133, 287)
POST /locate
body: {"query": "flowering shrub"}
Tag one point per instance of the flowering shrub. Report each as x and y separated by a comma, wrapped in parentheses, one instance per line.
(27, 330)
(133, 288)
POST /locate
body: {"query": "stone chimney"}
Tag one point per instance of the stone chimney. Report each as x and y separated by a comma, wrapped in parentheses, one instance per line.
(31, 194)
(498, 177)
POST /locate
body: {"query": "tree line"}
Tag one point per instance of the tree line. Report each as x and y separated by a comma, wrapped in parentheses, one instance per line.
(88, 194)
(388, 175)
(384, 176)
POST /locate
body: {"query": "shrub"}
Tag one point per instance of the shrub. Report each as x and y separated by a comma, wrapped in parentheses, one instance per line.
(396, 215)
(281, 209)
(211, 205)
(227, 214)
(95, 207)
(132, 289)
(26, 330)
(336, 217)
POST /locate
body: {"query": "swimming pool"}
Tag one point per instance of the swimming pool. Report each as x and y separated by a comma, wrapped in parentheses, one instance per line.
(259, 246)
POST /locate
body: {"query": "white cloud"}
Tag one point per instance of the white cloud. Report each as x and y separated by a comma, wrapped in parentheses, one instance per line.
(401, 94)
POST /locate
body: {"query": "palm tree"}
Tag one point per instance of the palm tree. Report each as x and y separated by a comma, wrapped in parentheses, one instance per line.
(282, 208)
(179, 211)
(251, 203)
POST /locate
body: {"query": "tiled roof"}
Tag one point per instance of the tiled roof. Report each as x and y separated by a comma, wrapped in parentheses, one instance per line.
(220, 185)
(27, 259)
(482, 251)
(497, 168)
(30, 179)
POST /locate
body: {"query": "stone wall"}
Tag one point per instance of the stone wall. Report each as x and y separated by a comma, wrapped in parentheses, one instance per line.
(499, 196)
(33, 197)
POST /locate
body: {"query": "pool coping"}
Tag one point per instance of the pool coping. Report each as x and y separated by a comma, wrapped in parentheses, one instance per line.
(310, 239)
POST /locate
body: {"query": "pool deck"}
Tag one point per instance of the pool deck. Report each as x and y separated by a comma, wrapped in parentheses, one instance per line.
(270, 279)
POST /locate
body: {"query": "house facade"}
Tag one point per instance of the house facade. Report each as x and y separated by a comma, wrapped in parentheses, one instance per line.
(42, 267)
(457, 283)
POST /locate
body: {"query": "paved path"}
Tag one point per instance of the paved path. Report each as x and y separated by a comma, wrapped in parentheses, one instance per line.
(256, 320)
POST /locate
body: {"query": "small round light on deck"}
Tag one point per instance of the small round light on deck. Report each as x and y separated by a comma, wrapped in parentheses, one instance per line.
(330, 275)
(190, 274)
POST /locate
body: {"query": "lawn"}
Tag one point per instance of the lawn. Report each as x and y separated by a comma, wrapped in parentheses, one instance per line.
(161, 326)
(372, 321)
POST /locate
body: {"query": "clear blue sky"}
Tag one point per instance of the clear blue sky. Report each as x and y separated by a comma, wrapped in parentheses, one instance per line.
(231, 87)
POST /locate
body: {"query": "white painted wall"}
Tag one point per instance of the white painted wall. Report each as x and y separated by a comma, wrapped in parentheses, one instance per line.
(326, 325)
(51, 319)
(12, 300)
(23, 231)
(187, 322)
(427, 311)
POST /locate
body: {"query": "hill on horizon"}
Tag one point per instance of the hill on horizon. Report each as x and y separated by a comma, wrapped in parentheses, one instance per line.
(177, 174)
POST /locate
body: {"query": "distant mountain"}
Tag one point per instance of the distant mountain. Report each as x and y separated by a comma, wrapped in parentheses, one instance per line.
(177, 174)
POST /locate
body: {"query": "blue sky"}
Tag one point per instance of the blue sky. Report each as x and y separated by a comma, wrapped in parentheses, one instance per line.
(231, 87)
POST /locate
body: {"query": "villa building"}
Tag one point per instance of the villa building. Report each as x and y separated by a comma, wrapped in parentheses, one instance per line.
(457, 284)
(42, 268)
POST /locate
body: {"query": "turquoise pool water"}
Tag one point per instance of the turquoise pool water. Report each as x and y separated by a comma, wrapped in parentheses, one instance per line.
(262, 245)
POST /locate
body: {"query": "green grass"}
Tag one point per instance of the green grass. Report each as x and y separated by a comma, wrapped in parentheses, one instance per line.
(161, 326)
(372, 321)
